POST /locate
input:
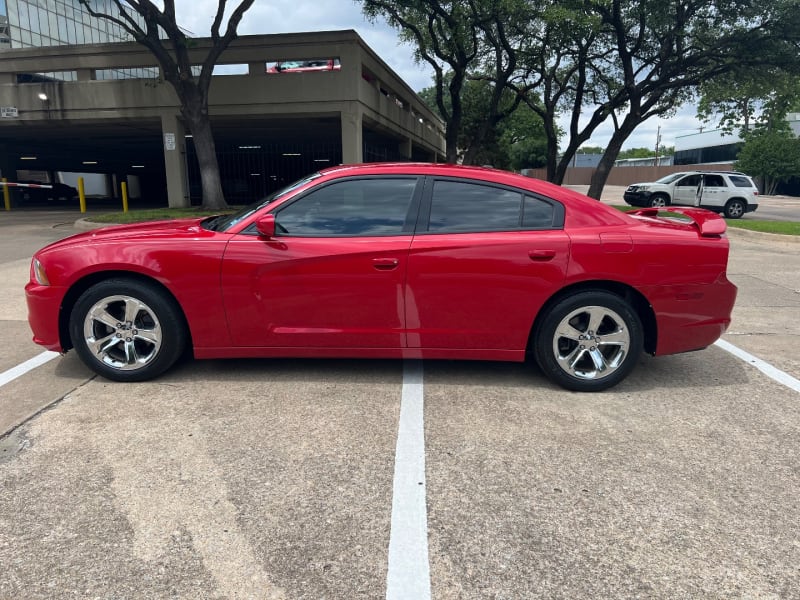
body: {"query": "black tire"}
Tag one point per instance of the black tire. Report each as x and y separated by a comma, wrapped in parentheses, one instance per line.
(735, 209)
(588, 328)
(659, 201)
(127, 330)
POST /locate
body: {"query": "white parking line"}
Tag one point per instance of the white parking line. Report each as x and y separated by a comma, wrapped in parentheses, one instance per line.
(764, 367)
(409, 571)
(22, 368)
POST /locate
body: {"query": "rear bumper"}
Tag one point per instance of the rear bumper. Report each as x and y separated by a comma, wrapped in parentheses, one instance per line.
(693, 317)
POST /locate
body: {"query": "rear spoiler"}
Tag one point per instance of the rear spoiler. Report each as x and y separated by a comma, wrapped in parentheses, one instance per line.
(708, 223)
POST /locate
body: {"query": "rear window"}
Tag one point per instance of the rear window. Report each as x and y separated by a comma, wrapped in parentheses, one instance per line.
(743, 182)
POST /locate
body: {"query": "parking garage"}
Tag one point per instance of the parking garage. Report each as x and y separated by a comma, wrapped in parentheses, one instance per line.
(271, 126)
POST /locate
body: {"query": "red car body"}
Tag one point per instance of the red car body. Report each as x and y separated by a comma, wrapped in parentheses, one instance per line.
(418, 294)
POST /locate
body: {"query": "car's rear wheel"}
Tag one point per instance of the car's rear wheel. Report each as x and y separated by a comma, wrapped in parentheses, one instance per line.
(127, 330)
(659, 201)
(589, 341)
(734, 209)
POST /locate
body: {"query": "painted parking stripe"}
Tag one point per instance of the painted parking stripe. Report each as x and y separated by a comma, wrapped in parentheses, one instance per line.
(409, 576)
(22, 368)
(764, 367)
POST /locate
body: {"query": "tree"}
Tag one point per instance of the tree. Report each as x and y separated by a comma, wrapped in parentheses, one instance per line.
(772, 155)
(172, 54)
(461, 41)
(515, 142)
(747, 97)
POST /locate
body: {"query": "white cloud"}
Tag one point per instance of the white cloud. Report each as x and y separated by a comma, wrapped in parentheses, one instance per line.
(284, 16)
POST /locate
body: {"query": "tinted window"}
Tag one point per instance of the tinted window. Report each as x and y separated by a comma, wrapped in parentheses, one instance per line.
(690, 181)
(460, 206)
(714, 181)
(360, 207)
(537, 214)
(742, 182)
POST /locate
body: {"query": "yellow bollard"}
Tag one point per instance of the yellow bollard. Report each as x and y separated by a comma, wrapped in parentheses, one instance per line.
(6, 195)
(81, 194)
(124, 196)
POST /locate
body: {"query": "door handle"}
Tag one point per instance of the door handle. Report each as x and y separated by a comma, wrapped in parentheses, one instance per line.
(385, 264)
(542, 255)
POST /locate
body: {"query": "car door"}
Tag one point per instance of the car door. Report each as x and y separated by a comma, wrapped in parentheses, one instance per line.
(713, 191)
(686, 190)
(484, 260)
(332, 275)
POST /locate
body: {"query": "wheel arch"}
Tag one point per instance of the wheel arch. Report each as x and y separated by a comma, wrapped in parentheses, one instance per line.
(634, 297)
(84, 283)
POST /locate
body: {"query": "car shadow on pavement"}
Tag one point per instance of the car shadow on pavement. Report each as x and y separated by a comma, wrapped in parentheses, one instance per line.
(712, 367)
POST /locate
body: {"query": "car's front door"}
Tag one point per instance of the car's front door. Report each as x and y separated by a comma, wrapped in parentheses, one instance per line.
(332, 276)
(686, 190)
(481, 266)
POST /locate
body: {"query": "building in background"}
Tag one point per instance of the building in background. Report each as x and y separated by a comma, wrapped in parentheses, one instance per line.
(40, 23)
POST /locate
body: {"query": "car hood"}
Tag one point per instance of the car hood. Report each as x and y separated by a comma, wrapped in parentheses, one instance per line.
(177, 229)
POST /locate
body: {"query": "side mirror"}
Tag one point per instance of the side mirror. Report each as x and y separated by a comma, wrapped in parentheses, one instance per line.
(266, 226)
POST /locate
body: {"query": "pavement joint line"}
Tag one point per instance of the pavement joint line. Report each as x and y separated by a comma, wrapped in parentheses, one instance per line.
(763, 366)
(408, 576)
(30, 364)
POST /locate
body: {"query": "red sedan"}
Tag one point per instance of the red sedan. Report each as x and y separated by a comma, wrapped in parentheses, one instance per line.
(418, 261)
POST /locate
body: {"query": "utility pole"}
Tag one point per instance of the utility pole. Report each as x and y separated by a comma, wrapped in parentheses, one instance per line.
(658, 143)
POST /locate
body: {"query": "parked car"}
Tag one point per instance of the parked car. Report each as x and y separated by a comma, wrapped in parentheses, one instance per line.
(302, 66)
(57, 191)
(418, 261)
(730, 193)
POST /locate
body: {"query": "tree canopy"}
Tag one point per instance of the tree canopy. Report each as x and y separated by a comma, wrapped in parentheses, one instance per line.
(590, 61)
(157, 29)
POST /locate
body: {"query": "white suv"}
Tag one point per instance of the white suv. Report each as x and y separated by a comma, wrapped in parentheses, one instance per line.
(727, 192)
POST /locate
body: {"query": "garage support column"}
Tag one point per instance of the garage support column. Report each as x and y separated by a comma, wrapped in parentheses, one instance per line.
(174, 144)
(8, 169)
(352, 136)
(406, 149)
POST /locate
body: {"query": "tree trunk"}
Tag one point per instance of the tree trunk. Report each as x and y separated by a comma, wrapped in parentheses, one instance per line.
(601, 173)
(200, 125)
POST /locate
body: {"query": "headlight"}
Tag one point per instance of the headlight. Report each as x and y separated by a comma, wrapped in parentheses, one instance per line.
(644, 188)
(39, 274)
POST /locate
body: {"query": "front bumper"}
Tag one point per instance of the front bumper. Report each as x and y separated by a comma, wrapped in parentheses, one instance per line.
(637, 198)
(44, 307)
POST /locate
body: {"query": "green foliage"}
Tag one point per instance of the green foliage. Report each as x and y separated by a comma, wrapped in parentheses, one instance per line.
(646, 152)
(516, 142)
(746, 98)
(773, 156)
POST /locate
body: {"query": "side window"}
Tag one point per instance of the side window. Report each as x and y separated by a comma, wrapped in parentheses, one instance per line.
(537, 214)
(690, 181)
(714, 181)
(358, 207)
(462, 207)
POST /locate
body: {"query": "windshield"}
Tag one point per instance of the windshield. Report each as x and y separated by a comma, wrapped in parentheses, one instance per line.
(225, 222)
(670, 178)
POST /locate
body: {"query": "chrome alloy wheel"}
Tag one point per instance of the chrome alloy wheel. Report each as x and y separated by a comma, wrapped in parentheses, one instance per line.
(591, 342)
(122, 332)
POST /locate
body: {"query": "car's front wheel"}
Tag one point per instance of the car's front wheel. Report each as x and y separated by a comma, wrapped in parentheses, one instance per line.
(127, 330)
(659, 201)
(589, 341)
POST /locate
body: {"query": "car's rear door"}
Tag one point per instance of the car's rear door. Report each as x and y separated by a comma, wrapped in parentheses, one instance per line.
(483, 261)
(333, 274)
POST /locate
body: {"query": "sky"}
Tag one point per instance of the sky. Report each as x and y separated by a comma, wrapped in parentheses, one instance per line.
(285, 16)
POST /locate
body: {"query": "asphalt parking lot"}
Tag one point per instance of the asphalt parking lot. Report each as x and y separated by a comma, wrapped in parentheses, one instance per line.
(277, 478)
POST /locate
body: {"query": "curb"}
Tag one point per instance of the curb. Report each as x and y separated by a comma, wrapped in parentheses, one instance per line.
(761, 236)
(87, 225)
